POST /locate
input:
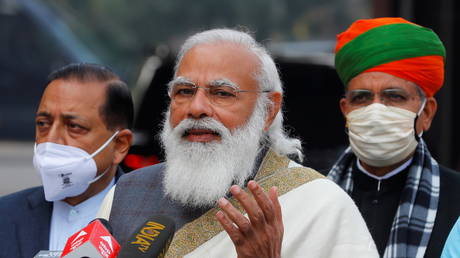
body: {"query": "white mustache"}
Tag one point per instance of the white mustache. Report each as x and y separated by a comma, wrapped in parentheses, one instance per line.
(206, 123)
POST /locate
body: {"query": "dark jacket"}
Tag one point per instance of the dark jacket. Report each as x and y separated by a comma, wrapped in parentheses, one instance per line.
(25, 218)
(378, 207)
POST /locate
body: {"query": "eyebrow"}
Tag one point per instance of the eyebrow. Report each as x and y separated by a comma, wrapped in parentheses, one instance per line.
(68, 116)
(224, 82)
(180, 80)
(43, 113)
(389, 88)
(214, 83)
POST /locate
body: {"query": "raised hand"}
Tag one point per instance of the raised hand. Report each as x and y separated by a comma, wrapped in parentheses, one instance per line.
(261, 233)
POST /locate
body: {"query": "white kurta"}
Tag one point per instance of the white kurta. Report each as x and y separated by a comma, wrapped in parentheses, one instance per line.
(319, 218)
(327, 225)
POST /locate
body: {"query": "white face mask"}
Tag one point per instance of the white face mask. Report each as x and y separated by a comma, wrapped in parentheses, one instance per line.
(382, 135)
(66, 171)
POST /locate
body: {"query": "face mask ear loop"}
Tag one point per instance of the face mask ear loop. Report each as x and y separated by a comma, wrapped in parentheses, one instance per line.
(346, 128)
(99, 176)
(418, 136)
(103, 145)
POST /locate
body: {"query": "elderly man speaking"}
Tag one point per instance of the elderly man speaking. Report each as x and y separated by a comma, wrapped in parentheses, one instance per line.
(391, 69)
(223, 128)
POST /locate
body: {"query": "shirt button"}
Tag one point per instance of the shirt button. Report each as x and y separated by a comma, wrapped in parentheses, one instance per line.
(73, 215)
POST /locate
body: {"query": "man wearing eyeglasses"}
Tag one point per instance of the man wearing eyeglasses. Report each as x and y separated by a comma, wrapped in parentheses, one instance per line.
(391, 69)
(226, 148)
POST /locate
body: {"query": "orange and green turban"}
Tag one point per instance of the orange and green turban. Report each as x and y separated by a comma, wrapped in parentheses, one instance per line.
(394, 46)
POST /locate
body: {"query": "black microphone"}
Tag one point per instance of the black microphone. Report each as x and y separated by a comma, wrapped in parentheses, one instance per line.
(151, 239)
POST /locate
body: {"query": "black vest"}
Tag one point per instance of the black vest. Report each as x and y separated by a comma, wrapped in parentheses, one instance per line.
(138, 196)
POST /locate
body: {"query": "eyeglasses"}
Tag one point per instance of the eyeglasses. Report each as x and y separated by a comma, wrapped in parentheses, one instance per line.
(390, 97)
(221, 95)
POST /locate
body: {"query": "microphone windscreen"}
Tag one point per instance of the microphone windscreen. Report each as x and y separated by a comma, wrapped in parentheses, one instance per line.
(151, 239)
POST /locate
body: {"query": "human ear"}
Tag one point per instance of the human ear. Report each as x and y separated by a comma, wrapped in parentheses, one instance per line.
(427, 115)
(123, 141)
(276, 99)
(344, 107)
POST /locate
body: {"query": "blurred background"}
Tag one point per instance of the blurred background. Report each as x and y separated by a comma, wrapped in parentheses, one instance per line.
(139, 39)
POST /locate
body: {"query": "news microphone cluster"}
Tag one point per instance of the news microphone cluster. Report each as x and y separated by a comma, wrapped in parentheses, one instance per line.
(151, 239)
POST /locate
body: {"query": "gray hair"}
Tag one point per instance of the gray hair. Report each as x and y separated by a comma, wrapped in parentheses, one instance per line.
(267, 77)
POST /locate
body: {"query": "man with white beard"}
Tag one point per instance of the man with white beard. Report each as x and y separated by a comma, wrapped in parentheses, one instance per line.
(223, 133)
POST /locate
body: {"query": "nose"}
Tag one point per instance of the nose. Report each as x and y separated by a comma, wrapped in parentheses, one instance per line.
(200, 105)
(378, 98)
(54, 135)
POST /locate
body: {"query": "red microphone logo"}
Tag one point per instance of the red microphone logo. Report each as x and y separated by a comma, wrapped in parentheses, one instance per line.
(93, 240)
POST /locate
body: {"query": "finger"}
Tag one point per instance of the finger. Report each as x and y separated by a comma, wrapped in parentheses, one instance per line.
(233, 232)
(262, 200)
(273, 195)
(255, 213)
(235, 216)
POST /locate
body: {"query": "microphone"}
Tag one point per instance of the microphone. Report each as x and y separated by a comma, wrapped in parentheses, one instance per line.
(93, 241)
(105, 223)
(151, 239)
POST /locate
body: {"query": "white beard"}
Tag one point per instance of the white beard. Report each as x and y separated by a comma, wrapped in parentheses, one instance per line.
(198, 174)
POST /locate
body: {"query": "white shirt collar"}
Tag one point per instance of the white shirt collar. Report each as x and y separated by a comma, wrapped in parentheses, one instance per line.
(67, 219)
(387, 175)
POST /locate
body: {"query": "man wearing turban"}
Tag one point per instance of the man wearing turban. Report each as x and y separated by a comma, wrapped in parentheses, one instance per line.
(391, 69)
